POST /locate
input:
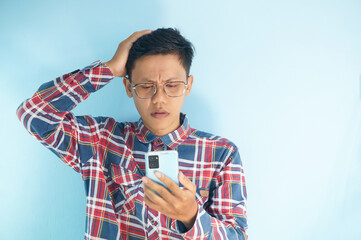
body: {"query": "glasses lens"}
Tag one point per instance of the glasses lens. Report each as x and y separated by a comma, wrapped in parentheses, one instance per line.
(174, 89)
(145, 90)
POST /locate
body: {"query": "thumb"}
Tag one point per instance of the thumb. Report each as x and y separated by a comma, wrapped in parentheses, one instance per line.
(186, 182)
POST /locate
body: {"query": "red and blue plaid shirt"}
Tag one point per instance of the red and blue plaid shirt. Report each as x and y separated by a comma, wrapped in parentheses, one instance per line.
(110, 157)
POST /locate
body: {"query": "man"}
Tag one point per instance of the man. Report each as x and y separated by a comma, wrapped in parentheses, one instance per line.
(155, 69)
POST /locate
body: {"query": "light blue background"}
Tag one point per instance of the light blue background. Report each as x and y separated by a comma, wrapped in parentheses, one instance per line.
(279, 78)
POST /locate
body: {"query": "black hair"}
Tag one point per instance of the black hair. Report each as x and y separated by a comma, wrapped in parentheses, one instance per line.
(161, 41)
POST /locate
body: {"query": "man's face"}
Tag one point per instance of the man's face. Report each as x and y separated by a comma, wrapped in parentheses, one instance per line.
(160, 114)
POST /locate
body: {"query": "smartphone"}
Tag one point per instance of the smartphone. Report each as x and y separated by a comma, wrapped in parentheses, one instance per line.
(165, 162)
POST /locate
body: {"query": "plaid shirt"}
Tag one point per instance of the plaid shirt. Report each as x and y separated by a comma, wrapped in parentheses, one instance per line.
(110, 157)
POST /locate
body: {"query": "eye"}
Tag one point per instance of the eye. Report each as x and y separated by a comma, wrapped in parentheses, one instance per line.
(173, 84)
(146, 87)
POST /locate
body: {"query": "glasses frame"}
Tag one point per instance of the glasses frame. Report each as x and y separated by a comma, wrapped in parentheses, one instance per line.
(156, 88)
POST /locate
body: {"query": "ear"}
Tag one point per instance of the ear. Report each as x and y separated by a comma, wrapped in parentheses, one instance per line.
(127, 86)
(189, 86)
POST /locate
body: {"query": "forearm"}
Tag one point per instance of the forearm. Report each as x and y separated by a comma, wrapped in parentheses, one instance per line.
(47, 114)
(224, 215)
(54, 99)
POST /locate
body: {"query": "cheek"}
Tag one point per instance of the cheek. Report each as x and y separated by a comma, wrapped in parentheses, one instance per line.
(177, 105)
(141, 105)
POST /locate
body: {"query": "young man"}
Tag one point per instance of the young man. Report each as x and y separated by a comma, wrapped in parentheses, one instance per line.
(109, 155)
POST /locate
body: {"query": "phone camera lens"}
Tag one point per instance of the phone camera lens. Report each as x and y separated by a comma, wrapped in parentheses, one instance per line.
(153, 161)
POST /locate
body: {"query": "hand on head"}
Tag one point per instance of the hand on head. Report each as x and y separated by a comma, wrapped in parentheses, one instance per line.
(119, 60)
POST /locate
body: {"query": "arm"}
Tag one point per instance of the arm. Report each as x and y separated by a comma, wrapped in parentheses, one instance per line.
(224, 216)
(48, 117)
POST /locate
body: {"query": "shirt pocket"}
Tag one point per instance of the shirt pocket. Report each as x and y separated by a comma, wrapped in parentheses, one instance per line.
(129, 186)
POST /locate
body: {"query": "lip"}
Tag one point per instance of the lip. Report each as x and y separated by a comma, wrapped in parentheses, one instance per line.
(159, 114)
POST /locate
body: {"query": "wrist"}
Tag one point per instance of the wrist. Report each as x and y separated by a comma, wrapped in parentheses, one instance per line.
(115, 72)
(188, 223)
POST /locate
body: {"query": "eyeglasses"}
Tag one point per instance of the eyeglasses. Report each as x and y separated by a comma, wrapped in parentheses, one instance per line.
(171, 89)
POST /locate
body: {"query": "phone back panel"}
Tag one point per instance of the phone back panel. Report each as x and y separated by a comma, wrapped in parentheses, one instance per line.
(168, 165)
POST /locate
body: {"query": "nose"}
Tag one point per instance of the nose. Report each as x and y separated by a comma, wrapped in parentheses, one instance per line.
(159, 96)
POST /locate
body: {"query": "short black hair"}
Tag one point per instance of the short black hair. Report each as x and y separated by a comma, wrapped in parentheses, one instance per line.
(161, 41)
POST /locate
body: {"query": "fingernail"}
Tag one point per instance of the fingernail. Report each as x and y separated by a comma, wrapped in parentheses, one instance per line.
(145, 180)
(181, 174)
(158, 174)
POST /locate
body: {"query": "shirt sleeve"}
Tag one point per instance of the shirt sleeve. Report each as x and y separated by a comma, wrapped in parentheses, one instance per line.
(225, 215)
(47, 114)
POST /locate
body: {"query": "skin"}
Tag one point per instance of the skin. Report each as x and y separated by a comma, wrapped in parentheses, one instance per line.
(178, 204)
(160, 114)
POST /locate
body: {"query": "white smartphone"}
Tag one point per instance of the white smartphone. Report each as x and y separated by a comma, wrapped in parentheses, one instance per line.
(165, 162)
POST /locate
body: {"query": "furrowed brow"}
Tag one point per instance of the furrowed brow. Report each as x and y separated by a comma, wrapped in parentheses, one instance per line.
(152, 81)
(170, 79)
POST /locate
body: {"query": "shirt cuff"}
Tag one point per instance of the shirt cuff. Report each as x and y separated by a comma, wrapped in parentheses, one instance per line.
(65, 92)
(200, 229)
(98, 74)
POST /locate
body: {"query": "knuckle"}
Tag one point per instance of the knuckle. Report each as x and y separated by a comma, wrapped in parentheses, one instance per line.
(169, 183)
(183, 199)
(161, 191)
(177, 207)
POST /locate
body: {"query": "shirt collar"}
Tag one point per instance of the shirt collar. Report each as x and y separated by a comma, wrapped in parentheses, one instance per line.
(172, 140)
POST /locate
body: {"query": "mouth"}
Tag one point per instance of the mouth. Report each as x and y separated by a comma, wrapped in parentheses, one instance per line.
(159, 114)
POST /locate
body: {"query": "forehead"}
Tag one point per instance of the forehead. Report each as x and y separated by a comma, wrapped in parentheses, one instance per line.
(158, 67)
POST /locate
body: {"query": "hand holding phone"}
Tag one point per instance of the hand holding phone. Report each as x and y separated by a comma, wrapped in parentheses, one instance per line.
(178, 203)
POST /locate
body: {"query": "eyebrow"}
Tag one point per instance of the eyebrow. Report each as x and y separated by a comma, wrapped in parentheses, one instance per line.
(151, 81)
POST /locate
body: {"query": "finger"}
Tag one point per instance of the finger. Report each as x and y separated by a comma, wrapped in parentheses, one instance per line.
(161, 190)
(171, 185)
(186, 182)
(149, 192)
(151, 204)
(138, 34)
(128, 43)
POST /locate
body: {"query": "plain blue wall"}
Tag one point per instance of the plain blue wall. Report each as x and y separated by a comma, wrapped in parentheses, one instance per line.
(279, 78)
